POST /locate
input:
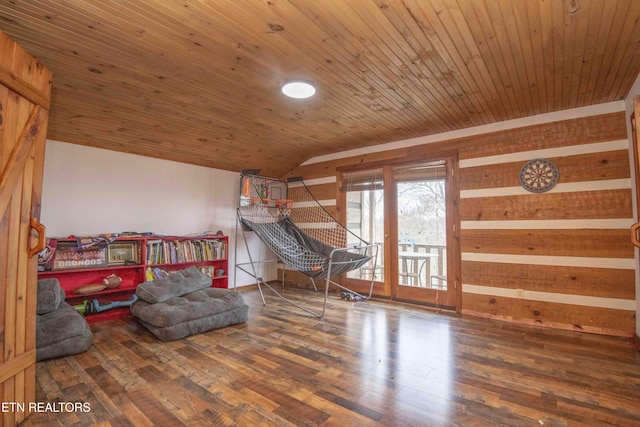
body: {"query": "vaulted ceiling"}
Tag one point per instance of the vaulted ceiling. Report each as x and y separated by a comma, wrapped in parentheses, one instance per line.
(198, 81)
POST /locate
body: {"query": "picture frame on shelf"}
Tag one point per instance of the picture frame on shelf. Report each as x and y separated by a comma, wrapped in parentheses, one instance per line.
(122, 253)
(68, 257)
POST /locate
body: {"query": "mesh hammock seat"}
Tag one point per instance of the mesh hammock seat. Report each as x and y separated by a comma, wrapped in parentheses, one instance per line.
(307, 239)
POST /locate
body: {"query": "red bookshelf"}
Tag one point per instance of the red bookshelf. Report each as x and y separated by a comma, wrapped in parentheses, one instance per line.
(152, 254)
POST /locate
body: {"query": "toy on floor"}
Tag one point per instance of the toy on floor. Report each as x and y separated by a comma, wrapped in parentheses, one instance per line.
(81, 308)
(95, 306)
(351, 296)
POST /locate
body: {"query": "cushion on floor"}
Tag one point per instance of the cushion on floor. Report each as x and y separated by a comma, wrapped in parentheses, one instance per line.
(179, 283)
(62, 332)
(187, 313)
(60, 329)
(50, 295)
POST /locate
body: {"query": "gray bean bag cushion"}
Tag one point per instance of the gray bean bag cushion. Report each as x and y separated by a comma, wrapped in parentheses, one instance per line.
(60, 329)
(50, 295)
(190, 311)
(179, 283)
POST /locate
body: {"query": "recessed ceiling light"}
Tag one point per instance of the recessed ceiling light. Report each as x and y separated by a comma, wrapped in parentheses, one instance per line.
(298, 89)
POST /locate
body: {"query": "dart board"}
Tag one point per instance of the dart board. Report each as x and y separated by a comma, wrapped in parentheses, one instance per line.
(539, 175)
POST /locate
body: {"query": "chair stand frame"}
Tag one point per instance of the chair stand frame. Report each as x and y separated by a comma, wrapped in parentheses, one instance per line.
(260, 280)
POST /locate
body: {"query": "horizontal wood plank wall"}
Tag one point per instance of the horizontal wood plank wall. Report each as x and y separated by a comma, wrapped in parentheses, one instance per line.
(561, 259)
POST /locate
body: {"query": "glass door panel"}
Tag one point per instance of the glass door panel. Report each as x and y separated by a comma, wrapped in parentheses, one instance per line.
(365, 218)
(421, 221)
(364, 198)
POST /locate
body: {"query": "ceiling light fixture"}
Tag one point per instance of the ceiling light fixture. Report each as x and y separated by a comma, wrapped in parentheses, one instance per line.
(299, 89)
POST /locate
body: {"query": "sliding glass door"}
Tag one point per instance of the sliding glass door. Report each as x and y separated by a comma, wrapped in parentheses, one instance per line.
(421, 230)
(408, 211)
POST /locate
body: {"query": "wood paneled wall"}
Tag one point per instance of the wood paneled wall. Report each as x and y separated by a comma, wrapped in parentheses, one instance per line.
(561, 259)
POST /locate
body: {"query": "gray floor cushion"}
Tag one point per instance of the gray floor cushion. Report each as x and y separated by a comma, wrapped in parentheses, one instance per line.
(189, 313)
(179, 283)
(60, 329)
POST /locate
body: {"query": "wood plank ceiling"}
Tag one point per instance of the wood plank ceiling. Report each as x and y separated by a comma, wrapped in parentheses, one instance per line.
(198, 81)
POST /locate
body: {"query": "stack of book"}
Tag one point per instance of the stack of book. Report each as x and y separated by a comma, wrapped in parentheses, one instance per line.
(181, 251)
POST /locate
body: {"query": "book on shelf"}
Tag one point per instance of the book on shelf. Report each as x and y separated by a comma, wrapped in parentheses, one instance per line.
(154, 273)
(184, 251)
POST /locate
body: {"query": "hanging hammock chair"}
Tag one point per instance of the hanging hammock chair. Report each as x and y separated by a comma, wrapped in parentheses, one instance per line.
(305, 238)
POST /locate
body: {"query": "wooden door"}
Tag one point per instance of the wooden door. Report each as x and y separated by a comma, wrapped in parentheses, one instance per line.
(25, 87)
(635, 239)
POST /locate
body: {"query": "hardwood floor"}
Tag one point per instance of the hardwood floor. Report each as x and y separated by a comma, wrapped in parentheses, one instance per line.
(370, 363)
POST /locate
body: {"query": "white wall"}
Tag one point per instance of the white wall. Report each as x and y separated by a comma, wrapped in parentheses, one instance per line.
(89, 191)
(635, 90)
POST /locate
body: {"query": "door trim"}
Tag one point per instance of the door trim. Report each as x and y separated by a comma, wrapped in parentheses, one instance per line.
(454, 259)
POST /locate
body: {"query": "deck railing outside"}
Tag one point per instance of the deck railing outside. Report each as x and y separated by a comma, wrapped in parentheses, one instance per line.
(411, 271)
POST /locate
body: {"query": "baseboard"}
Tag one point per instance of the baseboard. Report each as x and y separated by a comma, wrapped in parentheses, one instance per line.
(552, 325)
(290, 285)
(246, 288)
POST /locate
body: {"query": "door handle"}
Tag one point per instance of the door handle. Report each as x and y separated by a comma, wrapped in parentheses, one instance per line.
(634, 234)
(42, 231)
